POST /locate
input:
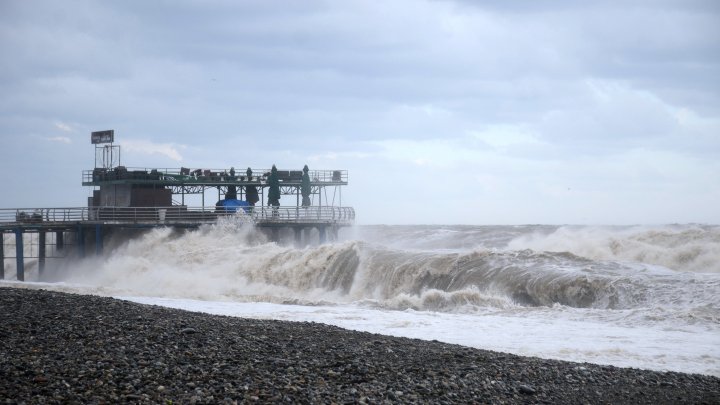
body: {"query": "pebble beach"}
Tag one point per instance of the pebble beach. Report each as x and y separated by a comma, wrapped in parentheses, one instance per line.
(66, 348)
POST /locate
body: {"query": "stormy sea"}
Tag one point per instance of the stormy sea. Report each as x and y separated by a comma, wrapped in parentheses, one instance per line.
(630, 296)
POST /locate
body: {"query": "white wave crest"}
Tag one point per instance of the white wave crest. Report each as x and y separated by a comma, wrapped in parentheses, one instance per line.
(233, 261)
(680, 248)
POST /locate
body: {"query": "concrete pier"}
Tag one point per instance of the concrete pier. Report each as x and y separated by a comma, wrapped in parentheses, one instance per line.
(2, 256)
(323, 234)
(19, 255)
(298, 236)
(41, 252)
(59, 240)
(91, 226)
(80, 241)
(98, 239)
(141, 198)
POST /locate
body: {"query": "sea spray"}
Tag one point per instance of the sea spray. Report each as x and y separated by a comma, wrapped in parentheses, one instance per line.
(693, 248)
(681, 248)
(234, 261)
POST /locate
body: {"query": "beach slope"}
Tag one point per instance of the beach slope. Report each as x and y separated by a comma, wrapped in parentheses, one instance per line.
(58, 347)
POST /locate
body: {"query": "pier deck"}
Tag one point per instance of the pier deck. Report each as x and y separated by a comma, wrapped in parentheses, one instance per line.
(179, 216)
(88, 224)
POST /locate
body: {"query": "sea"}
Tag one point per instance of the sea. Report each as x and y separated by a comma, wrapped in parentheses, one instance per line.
(631, 296)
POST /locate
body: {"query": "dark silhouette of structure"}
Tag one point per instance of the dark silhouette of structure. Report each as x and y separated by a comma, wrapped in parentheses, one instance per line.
(305, 188)
(274, 188)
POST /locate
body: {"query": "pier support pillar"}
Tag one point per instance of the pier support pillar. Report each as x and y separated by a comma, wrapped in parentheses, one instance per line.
(323, 234)
(19, 255)
(80, 235)
(59, 240)
(298, 236)
(98, 240)
(2, 256)
(307, 235)
(275, 235)
(41, 253)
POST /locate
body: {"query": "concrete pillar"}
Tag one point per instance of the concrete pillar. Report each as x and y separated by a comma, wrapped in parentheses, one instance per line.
(98, 239)
(323, 234)
(41, 253)
(80, 236)
(2, 256)
(298, 236)
(306, 237)
(19, 255)
(275, 234)
(59, 240)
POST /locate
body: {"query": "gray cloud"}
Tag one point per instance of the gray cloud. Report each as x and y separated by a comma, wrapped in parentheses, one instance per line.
(519, 94)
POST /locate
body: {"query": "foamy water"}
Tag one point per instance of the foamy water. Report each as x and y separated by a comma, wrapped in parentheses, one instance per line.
(628, 296)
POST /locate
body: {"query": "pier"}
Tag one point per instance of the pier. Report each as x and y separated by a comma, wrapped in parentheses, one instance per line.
(143, 198)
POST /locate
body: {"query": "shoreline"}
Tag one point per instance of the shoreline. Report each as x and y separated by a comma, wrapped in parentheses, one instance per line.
(695, 356)
(66, 347)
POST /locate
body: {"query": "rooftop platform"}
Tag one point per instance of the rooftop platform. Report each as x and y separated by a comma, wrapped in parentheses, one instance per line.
(208, 177)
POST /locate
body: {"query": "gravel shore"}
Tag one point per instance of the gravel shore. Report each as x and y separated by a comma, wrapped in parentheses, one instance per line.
(58, 347)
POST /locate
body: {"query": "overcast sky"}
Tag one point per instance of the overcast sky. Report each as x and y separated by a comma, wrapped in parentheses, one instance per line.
(444, 112)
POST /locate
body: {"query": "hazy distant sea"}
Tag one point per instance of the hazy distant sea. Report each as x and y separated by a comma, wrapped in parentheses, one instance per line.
(639, 296)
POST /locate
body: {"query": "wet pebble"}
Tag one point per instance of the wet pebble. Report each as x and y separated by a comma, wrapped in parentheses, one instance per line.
(66, 348)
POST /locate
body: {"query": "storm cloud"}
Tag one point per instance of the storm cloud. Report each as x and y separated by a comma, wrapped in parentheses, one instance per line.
(443, 111)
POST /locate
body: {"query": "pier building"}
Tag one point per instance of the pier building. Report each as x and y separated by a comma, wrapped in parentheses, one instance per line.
(303, 203)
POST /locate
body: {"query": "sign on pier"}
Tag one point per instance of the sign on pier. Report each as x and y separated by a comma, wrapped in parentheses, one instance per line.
(102, 136)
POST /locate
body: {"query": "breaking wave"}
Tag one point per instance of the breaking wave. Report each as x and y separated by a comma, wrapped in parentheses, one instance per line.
(235, 262)
(693, 248)
(681, 248)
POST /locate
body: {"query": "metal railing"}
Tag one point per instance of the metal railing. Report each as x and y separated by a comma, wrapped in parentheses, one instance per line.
(183, 175)
(175, 215)
(341, 215)
(38, 215)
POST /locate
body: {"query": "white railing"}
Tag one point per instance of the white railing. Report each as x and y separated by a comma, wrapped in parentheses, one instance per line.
(37, 215)
(303, 214)
(176, 215)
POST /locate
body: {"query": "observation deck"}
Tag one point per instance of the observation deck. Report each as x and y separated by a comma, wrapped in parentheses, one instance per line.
(186, 176)
(186, 181)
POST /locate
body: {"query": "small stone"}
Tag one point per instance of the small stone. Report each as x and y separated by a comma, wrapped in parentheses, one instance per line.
(158, 361)
(526, 389)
